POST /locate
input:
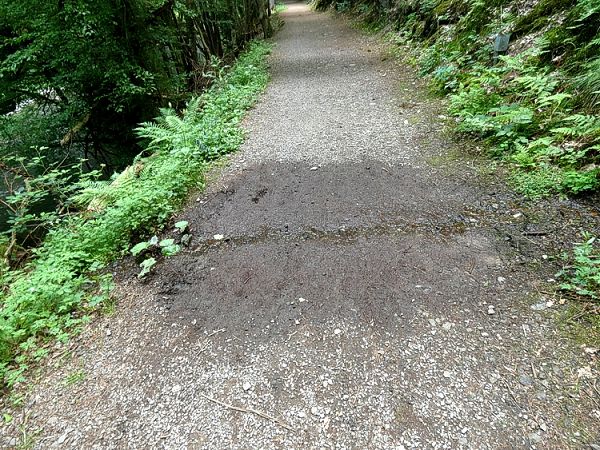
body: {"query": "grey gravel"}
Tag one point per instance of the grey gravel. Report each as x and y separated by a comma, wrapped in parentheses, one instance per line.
(337, 284)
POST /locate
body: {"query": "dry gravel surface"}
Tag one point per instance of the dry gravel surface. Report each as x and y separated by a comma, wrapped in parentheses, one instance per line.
(362, 296)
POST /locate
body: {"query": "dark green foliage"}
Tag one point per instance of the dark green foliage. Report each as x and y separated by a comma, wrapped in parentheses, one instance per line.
(46, 298)
(77, 76)
(582, 275)
(541, 15)
(86, 71)
(586, 84)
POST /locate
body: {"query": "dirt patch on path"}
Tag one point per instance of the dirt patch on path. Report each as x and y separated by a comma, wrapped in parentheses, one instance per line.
(360, 299)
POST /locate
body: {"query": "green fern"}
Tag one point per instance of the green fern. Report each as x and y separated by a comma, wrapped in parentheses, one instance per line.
(89, 190)
(587, 84)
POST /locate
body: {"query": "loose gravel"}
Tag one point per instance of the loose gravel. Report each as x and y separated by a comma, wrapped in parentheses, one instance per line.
(358, 295)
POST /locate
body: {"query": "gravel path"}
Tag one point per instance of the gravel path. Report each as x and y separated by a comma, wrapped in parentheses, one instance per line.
(363, 297)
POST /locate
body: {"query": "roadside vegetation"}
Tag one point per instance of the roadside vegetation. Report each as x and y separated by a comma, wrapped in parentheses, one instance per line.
(534, 102)
(77, 77)
(81, 182)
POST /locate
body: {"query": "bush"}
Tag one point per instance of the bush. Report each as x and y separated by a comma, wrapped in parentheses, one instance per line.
(65, 277)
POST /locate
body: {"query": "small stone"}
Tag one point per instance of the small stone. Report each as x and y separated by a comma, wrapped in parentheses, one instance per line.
(585, 372)
(302, 414)
(525, 380)
(539, 306)
(218, 237)
(108, 332)
(246, 386)
(535, 438)
(491, 310)
(301, 300)
(447, 326)
(484, 334)
(517, 215)
(337, 331)
(447, 374)
(501, 280)
(314, 168)
(62, 439)
(185, 239)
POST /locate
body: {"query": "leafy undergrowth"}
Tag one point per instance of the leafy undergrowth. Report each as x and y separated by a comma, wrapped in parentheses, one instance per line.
(581, 280)
(582, 275)
(51, 296)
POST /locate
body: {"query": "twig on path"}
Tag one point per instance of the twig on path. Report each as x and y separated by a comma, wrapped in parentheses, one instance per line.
(222, 330)
(291, 334)
(532, 241)
(592, 397)
(511, 393)
(341, 368)
(279, 422)
(535, 233)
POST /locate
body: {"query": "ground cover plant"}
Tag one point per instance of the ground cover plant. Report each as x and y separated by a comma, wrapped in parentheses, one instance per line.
(49, 296)
(76, 78)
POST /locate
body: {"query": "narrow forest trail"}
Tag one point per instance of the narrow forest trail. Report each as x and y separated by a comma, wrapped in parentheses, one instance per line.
(361, 297)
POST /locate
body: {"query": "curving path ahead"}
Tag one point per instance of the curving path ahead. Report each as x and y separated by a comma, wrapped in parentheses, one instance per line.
(363, 296)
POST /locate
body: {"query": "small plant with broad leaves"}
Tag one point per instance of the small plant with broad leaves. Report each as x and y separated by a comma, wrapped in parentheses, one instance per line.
(146, 265)
(147, 252)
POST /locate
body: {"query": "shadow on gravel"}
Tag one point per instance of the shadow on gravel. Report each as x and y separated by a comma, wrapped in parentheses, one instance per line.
(365, 242)
(294, 197)
(382, 281)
